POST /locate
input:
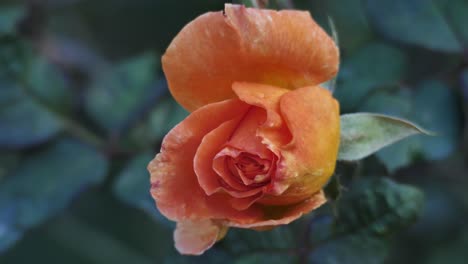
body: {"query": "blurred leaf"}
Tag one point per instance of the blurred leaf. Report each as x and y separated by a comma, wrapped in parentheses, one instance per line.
(23, 122)
(378, 206)
(133, 228)
(68, 239)
(356, 249)
(372, 209)
(333, 189)
(32, 93)
(212, 256)
(49, 85)
(15, 56)
(441, 200)
(44, 184)
(251, 3)
(434, 106)
(464, 83)
(116, 95)
(270, 258)
(453, 253)
(458, 20)
(117, 37)
(89, 243)
(425, 64)
(9, 15)
(245, 241)
(349, 17)
(362, 134)
(133, 187)
(164, 116)
(417, 22)
(8, 162)
(373, 66)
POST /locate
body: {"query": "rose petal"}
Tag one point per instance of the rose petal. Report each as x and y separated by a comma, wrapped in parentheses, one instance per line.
(174, 184)
(244, 137)
(195, 237)
(274, 132)
(312, 115)
(244, 203)
(208, 175)
(281, 215)
(282, 48)
(238, 189)
(211, 145)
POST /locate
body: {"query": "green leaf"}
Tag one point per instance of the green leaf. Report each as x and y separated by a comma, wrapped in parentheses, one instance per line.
(119, 38)
(32, 94)
(418, 22)
(333, 189)
(133, 187)
(212, 256)
(271, 258)
(163, 117)
(23, 122)
(245, 241)
(399, 104)
(464, 83)
(69, 239)
(457, 19)
(356, 249)
(378, 206)
(368, 213)
(9, 16)
(49, 85)
(44, 184)
(362, 134)
(249, 3)
(372, 67)
(435, 107)
(118, 94)
(453, 252)
(77, 235)
(8, 162)
(349, 17)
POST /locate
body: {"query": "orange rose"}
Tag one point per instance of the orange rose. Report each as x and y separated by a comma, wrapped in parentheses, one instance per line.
(262, 139)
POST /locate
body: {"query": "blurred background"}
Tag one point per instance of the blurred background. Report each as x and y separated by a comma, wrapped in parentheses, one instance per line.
(84, 106)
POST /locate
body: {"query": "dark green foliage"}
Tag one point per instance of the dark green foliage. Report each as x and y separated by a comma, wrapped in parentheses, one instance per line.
(118, 92)
(372, 209)
(279, 240)
(44, 184)
(27, 83)
(133, 186)
(9, 15)
(374, 66)
(84, 107)
(354, 249)
(378, 207)
(162, 118)
(418, 22)
(333, 189)
(23, 122)
(351, 21)
(266, 258)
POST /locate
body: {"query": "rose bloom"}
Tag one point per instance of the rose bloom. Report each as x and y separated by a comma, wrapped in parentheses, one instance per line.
(262, 137)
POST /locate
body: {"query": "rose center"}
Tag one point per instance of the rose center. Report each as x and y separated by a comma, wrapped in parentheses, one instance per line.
(249, 168)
